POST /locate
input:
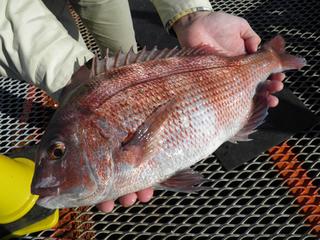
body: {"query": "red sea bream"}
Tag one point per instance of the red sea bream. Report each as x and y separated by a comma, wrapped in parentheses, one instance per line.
(143, 119)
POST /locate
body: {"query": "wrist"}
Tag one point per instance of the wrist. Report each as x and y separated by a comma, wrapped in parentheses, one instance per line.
(187, 19)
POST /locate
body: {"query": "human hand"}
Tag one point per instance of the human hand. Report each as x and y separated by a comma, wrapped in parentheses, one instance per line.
(127, 200)
(228, 35)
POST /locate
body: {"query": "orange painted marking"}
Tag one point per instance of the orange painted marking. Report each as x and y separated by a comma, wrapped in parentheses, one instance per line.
(74, 225)
(31, 98)
(27, 105)
(301, 186)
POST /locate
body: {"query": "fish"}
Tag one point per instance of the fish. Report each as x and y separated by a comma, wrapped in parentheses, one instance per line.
(143, 119)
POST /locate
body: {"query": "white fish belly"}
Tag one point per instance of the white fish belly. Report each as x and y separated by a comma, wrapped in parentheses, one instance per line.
(192, 136)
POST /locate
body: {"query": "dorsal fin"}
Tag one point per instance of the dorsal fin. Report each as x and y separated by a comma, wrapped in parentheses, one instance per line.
(123, 59)
(108, 81)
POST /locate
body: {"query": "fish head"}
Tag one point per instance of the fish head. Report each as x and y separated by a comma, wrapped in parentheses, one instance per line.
(71, 163)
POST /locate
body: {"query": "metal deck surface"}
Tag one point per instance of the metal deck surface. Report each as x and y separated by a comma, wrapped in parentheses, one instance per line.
(274, 196)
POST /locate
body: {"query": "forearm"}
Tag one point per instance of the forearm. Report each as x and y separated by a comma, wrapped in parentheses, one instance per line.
(36, 47)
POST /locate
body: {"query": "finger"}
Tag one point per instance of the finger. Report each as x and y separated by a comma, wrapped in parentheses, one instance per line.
(277, 77)
(272, 101)
(274, 86)
(145, 195)
(106, 206)
(251, 39)
(128, 200)
(251, 43)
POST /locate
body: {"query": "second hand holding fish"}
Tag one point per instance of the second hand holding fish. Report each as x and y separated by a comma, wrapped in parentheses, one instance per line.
(230, 34)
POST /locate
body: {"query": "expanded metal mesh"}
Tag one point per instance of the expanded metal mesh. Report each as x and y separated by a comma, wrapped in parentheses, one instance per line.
(274, 196)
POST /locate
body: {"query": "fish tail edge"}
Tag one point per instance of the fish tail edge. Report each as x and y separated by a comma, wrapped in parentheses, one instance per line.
(288, 61)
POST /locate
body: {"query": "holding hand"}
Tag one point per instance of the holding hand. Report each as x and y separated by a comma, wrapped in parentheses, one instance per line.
(228, 35)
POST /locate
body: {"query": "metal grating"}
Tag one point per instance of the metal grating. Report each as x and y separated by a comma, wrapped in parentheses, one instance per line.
(275, 196)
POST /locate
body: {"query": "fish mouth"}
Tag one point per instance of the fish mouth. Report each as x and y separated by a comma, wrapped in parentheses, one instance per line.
(50, 202)
(45, 192)
(52, 198)
(56, 192)
(62, 201)
(60, 196)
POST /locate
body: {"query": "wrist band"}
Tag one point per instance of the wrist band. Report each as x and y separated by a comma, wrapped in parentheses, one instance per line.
(170, 23)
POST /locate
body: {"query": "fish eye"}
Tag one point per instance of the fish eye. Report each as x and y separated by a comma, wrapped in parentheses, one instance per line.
(56, 150)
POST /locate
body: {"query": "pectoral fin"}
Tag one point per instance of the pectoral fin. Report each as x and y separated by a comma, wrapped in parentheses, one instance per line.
(144, 141)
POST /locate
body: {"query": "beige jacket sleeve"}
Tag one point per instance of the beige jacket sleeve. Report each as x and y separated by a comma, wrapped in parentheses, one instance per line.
(35, 46)
(109, 21)
(171, 10)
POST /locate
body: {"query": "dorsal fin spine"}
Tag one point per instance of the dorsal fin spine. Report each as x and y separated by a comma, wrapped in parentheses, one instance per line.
(127, 58)
(141, 54)
(123, 59)
(152, 52)
(106, 60)
(94, 66)
(116, 59)
(170, 52)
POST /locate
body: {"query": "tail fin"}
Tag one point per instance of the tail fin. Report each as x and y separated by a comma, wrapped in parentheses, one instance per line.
(288, 62)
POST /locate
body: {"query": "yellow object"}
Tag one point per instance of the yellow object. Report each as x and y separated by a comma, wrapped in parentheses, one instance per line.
(15, 184)
(46, 223)
(16, 199)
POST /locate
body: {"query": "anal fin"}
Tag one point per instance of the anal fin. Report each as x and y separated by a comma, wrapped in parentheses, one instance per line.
(184, 181)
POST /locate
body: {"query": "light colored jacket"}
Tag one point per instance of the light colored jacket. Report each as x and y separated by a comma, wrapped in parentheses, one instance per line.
(43, 51)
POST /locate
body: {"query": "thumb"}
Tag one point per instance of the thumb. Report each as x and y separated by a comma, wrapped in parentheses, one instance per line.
(250, 38)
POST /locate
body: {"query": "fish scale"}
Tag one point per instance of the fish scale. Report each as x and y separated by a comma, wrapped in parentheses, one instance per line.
(175, 136)
(143, 119)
